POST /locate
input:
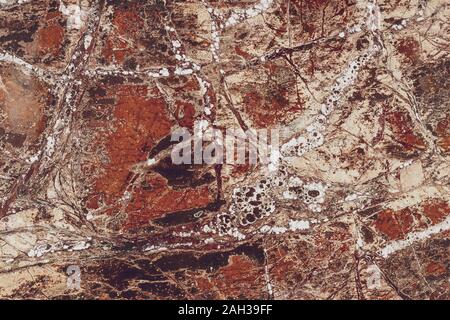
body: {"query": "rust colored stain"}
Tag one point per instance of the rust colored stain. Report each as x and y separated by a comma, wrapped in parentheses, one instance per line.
(127, 21)
(435, 269)
(116, 50)
(409, 48)
(437, 210)
(148, 205)
(443, 133)
(50, 39)
(242, 53)
(185, 113)
(238, 276)
(403, 130)
(267, 109)
(230, 281)
(283, 266)
(394, 224)
(51, 35)
(138, 120)
(124, 37)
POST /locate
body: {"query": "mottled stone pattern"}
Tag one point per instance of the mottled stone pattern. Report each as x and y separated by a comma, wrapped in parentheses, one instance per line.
(356, 205)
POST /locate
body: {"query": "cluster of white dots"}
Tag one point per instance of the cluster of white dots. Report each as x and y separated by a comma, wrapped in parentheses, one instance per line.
(252, 203)
(312, 194)
(244, 14)
(42, 249)
(314, 137)
(215, 37)
(187, 67)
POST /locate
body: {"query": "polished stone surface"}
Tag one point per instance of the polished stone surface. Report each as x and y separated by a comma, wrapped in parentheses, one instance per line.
(356, 205)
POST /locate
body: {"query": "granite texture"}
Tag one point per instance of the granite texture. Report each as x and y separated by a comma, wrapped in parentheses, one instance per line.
(356, 206)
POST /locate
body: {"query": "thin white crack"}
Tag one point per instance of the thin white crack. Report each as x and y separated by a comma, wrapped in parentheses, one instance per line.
(413, 237)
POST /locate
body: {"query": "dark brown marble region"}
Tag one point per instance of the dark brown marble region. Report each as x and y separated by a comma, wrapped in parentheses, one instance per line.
(355, 206)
